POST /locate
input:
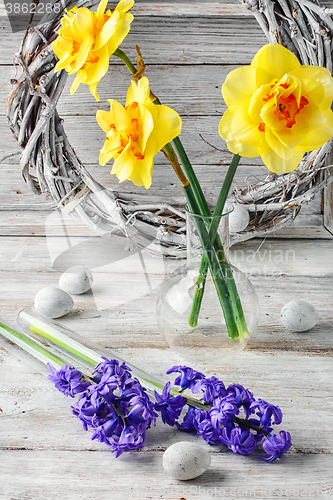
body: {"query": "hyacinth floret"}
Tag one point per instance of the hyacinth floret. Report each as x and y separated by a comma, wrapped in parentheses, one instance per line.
(238, 439)
(169, 406)
(266, 411)
(276, 445)
(187, 378)
(67, 380)
(223, 411)
(243, 397)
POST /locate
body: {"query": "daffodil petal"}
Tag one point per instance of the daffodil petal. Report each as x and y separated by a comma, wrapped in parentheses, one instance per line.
(121, 31)
(275, 60)
(148, 125)
(139, 93)
(76, 82)
(119, 117)
(124, 164)
(83, 23)
(141, 174)
(101, 8)
(104, 120)
(124, 5)
(95, 72)
(245, 130)
(233, 145)
(83, 52)
(316, 138)
(93, 90)
(234, 91)
(279, 165)
(167, 126)
(318, 74)
(107, 31)
(276, 145)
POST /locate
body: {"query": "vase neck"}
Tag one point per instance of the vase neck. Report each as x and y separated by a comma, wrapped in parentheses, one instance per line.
(194, 245)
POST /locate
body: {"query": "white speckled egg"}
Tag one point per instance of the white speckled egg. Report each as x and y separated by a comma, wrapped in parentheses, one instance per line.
(186, 460)
(53, 302)
(238, 219)
(299, 316)
(76, 280)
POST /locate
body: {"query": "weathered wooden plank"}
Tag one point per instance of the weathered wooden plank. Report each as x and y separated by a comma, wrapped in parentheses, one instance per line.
(202, 40)
(70, 474)
(190, 90)
(122, 302)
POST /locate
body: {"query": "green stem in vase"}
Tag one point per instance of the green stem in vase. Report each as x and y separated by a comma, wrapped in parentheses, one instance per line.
(225, 268)
(214, 265)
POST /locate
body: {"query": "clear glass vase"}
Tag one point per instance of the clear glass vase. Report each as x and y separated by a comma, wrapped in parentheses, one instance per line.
(207, 310)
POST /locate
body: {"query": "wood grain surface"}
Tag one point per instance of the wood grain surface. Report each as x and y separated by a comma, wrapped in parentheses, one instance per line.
(189, 47)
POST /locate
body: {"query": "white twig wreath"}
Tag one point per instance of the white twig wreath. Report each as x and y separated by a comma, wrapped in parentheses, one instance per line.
(49, 163)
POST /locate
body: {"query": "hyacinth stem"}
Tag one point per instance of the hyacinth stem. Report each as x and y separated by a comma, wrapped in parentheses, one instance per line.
(33, 348)
(84, 350)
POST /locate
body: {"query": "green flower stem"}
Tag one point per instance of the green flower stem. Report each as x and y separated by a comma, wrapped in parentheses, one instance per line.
(214, 265)
(86, 351)
(35, 349)
(121, 55)
(232, 289)
(67, 344)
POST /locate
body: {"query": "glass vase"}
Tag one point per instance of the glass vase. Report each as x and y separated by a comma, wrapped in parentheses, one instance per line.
(207, 310)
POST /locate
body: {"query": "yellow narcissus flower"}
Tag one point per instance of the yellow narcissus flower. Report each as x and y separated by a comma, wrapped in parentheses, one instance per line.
(87, 40)
(135, 134)
(277, 109)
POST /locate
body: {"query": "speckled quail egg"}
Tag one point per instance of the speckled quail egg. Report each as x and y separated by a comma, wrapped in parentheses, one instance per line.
(299, 316)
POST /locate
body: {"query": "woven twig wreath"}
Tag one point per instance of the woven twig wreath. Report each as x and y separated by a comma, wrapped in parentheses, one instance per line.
(49, 163)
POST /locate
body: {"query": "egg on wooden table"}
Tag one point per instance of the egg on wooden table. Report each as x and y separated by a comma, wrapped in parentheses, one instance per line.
(76, 280)
(186, 460)
(53, 302)
(299, 316)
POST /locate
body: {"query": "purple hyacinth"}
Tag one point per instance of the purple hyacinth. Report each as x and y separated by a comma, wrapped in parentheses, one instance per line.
(265, 412)
(91, 415)
(275, 445)
(117, 408)
(187, 378)
(112, 368)
(169, 406)
(212, 389)
(223, 411)
(238, 439)
(243, 397)
(67, 380)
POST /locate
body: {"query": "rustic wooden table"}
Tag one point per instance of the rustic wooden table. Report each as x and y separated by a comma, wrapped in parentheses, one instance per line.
(44, 453)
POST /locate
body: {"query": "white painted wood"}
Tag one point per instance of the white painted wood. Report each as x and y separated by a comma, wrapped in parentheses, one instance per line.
(44, 452)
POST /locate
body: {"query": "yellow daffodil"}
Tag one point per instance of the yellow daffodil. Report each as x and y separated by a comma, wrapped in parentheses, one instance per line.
(87, 40)
(277, 109)
(135, 134)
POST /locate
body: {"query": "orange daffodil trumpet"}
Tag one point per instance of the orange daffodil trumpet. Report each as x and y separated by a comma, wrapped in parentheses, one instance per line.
(87, 40)
(135, 134)
(277, 109)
